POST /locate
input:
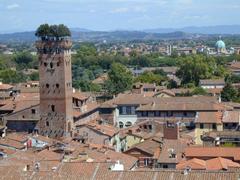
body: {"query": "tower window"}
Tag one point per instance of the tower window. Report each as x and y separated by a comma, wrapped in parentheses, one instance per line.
(51, 65)
(58, 63)
(47, 123)
(57, 85)
(45, 64)
(33, 111)
(47, 85)
(53, 108)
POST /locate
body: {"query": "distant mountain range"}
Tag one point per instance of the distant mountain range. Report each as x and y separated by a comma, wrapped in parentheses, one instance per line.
(80, 34)
(221, 29)
(99, 36)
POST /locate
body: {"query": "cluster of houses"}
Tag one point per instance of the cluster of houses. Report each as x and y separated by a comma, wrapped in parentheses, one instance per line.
(168, 47)
(49, 130)
(149, 127)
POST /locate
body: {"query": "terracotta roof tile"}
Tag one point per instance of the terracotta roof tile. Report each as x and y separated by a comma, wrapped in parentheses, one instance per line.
(211, 152)
(5, 86)
(231, 117)
(195, 164)
(221, 164)
(209, 117)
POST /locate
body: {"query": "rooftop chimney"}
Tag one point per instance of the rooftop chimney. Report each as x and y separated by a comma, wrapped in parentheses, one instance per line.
(170, 131)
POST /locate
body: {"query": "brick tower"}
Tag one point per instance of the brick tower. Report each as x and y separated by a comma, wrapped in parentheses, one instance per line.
(55, 87)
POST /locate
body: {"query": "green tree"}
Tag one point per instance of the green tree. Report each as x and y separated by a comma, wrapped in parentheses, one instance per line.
(43, 31)
(86, 49)
(24, 60)
(229, 93)
(120, 79)
(194, 68)
(11, 76)
(150, 77)
(46, 31)
(34, 76)
(199, 91)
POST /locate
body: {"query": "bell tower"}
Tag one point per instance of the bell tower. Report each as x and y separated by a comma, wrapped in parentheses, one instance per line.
(55, 76)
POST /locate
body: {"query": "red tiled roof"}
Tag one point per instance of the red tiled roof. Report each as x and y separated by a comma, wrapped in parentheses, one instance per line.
(209, 117)
(211, 164)
(221, 164)
(80, 95)
(102, 128)
(195, 164)
(5, 86)
(211, 152)
(231, 117)
(11, 143)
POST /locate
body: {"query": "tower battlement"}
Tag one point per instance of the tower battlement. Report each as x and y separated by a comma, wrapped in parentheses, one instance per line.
(49, 44)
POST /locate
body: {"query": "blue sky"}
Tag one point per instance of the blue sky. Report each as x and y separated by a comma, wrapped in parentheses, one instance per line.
(18, 15)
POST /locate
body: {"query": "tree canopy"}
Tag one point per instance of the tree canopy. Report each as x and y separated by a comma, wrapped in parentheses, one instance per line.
(120, 79)
(46, 31)
(229, 93)
(194, 68)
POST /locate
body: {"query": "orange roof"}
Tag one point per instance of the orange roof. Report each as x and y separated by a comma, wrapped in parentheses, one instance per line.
(196, 164)
(231, 117)
(5, 86)
(209, 117)
(103, 128)
(11, 143)
(17, 137)
(80, 95)
(211, 152)
(211, 164)
(49, 155)
(221, 164)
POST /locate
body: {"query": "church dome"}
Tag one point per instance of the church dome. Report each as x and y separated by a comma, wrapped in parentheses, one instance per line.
(220, 44)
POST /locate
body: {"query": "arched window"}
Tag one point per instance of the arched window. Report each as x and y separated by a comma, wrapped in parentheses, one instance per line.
(120, 124)
(128, 124)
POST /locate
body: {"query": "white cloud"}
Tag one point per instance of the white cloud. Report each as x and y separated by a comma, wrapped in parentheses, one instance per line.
(13, 6)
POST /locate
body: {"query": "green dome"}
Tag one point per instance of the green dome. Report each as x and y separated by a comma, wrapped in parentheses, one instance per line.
(220, 44)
